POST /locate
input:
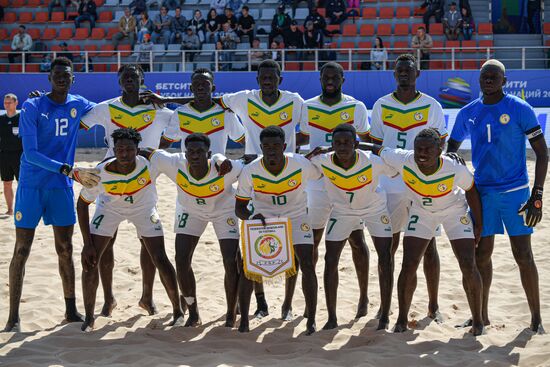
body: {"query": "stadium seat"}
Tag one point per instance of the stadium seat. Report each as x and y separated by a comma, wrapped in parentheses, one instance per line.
(111, 32)
(16, 68)
(100, 68)
(386, 13)
(34, 3)
(349, 30)
(32, 68)
(403, 12)
(13, 33)
(349, 45)
(436, 29)
(17, 3)
(322, 12)
(308, 65)
(49, 34)
(401, 47)
(41, 17)
(436, 64)
(484, 44)
(100, 3)
(383, 30)
(97, 34)
(484, 28)
(105, 17)
(452, 44)
(65, 34)
(401, 29)
(125, 50)
(56, 48)
(437, 47)
(345, 64)
(546, 28)
(468, 46)
(469, 64)
(34, 33)
(332, 28)
(5, 3)
(10, 17)
(81, 34)
(25, 17)
(369, 13)
(107, 48)
(75, 49)
(91, 50)
(366, 30)
(58, 17)
(4, 34)
(292, 66)
(364, 47)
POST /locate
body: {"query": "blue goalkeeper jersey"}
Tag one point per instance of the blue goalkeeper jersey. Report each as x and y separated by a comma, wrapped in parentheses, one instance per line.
(49, 133)
(498, 138)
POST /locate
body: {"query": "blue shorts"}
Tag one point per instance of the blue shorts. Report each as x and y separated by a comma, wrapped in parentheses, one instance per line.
(500, 209)
(55, 206)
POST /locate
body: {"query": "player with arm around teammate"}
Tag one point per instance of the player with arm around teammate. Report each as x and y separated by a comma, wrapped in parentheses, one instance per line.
(126, 192)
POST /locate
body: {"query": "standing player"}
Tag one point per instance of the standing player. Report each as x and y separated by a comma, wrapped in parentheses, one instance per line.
(10, 148)
(205, 194)
(436, 185)
(202, 115)
(48, 127)
(127, 111)
(351, 181)
(395, 121)
(275, 184)
(498, 124)
(320, 115)
(127, 192)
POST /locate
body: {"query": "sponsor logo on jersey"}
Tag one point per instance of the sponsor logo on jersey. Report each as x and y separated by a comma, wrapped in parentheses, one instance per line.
(263, 117)
(207, 124)
(403, 119)
(504, 119)
(327, 120)
(204, 190)
(427, 188)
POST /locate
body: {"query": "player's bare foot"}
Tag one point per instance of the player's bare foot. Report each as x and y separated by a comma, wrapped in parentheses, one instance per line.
(148, 306)
(477, 329)
(88, 324)
(230, 320)
(9, 212)
(536, 326)
(286, 315)
(362, 309)
(469, 323)
(193, 320)
(383, 324)
(108, 308)
(243, 327)
(400, 328)
(378, 314)
(436, 316)
(259, 313)
(12, 326)
(331, 324)
(73, 317)
(310, 328)
(177, 319)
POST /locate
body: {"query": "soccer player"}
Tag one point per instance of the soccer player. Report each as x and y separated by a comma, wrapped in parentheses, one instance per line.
(11, 148)
(48, 128)
(395, 121)
(498, 124)
(275, 184)
(127, 111)
(204, 195)
(127, 192)
(203, 115)
(436, 185)
(351, 181)
(320, 115)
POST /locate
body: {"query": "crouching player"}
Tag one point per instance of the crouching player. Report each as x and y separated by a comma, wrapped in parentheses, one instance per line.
(126, 192)
(435, 184)
(205, 194)
(351, 181)
(275, 185)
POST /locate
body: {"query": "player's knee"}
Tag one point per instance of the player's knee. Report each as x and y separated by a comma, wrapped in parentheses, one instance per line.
(64, 252)
(230, 264)
(525, 259)
(467, 266)
(21, 252)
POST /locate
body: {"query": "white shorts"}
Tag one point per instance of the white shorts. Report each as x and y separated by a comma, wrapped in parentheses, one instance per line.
(226, 225)
(398, 207)
(302, 233)
(456, 222)
(340, 227)
(106, 221)
(318, 207)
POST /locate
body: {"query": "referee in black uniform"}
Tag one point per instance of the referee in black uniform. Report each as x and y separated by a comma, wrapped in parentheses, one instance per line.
(10, 148)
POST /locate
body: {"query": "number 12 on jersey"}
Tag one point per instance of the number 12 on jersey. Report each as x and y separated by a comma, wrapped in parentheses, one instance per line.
(61, 127)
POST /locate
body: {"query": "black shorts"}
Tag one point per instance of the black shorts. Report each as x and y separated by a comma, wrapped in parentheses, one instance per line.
(9, 165)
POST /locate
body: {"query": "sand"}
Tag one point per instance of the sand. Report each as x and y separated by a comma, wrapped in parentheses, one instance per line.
(130, 337)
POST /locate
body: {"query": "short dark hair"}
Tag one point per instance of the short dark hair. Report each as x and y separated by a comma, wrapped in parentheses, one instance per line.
(270, 64)
(203, 71)
(126, 67)
(22, 26)
(345, 128)
(245, 8)
(178, 7)
(429, 133)
(272, 132)
(197, 137)
(126, 133)
(62, 61)
(332, 65)
(406, 58)
(423, 28)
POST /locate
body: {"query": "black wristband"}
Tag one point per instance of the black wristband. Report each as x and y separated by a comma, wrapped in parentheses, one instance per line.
(65, 169)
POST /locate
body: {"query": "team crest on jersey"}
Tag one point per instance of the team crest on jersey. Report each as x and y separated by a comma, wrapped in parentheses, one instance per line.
(418, 116)
(215, 122)
(18, 216)
(73, 112)
(465, 220)
(214, 188)
(155, 218)
(231, 221)
(344, 115)
(384, 219)
(283, 115)
(305, 227)
(442, 187)
(504, 119)
(146, 117)
(362, 178)
(292, 183)
(142, 181)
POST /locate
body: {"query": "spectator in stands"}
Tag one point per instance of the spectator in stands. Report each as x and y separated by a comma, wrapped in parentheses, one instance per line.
(138, 7)
(143, 51)
(224, 58)
(86, 12)
(179, 26)
(235, 5)
(422, 41)
(533, 8)
(20, 44)
(213, 25)
(218, 5)
(295, 3)
(1, 13)
(126, 29)
(467, 24)
(465, 4)
(145, 26)
(294, 38)
(276, 53)
(434, 9)
(162, 27)
(64, 52)
(318, 20)
(378, 55)
(257, 55)
(246, 25)
(313, 38)
(452, 23)
(55, 3)
(336, 11)
(190, 42)
(171, 4)
(228, 37)
(229, 17)
(198, 24)
(279, 24)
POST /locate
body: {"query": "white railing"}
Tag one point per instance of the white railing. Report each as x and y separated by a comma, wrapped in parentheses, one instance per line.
(289, 59)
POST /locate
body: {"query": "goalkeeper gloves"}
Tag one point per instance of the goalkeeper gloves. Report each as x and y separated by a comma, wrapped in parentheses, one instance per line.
(87, 177)
(532, 209)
